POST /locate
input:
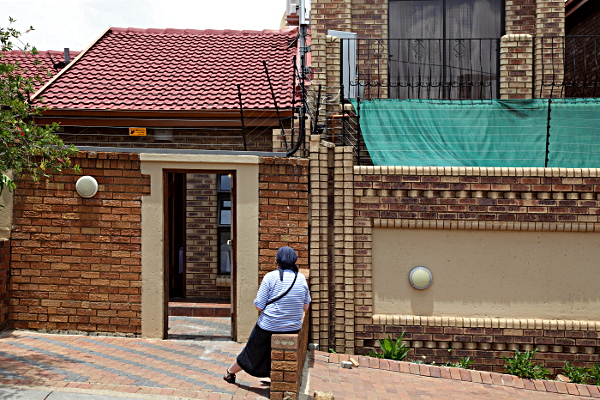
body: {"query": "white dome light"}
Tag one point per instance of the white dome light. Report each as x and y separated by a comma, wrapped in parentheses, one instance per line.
(420, 278)
(86, 186)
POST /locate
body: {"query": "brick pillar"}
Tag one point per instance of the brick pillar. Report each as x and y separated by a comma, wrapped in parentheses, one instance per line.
(319, 59)
(332, 69)
(549, 47)
(343, 236)
(319, 241)
(516, 67)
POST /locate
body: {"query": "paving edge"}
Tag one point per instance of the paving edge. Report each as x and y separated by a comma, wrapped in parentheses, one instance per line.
(93, 392)
(467, 375)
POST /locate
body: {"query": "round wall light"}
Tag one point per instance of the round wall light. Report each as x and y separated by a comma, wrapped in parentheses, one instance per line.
(420, 278)
(86, 186)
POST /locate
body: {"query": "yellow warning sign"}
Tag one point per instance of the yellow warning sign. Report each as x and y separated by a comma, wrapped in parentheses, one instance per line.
(137, 131)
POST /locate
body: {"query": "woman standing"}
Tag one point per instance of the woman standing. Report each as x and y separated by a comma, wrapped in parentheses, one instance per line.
(283, 298)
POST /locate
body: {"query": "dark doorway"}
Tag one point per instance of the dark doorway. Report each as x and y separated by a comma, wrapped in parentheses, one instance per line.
(199, 258)
(175, 230)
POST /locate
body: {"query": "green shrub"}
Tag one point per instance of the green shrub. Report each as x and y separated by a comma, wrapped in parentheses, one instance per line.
(521, 365)
(594, 374)
(577, 374)
(391, 349)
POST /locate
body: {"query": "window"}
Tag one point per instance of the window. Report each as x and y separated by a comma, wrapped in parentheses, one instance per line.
(444, 49)
(224, 222)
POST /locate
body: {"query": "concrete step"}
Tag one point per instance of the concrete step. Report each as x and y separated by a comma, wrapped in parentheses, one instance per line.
(196, 309)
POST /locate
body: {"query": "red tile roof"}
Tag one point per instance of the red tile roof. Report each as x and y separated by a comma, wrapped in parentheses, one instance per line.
(176, 69)
(47, 68)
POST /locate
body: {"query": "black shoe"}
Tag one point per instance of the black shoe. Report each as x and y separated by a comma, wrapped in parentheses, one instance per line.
(229, 377)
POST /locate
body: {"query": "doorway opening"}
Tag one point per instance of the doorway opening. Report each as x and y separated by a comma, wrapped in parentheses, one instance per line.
(199, 225)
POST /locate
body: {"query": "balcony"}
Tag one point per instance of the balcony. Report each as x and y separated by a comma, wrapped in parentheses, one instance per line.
(467, 69)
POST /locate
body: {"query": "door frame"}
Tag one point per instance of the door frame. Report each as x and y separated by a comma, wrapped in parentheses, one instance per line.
(245, 188)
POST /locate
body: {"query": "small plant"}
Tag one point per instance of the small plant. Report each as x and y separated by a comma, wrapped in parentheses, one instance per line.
(594, 374)
(463, 363)
(521, 365)
(391, 349)
(577, 374)
(332, 350)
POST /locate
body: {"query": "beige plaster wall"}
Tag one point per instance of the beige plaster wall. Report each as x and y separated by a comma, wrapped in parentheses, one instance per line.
(503, 274)
(6, 212)
(245, 257)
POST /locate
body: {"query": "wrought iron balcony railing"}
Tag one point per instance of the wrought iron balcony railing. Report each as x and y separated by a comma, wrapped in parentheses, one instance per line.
(456, 69)
(421, 68)
(568, 66)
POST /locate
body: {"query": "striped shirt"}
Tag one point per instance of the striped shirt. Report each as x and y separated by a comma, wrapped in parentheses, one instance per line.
(286, 313)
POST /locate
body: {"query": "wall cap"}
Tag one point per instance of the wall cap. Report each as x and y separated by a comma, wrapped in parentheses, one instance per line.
(478, 171)
(487, 225)
(499, 323)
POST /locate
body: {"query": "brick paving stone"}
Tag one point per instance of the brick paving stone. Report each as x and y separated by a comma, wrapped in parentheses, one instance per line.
(583, 390)
(550, 386)
(376, 384)
(476, 377)
(594, 391)
(572, 388)
(561, 387)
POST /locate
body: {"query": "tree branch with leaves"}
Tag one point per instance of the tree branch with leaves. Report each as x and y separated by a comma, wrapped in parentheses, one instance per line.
(25, 147)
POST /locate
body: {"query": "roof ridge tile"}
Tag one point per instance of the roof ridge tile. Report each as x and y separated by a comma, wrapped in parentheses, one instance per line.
(224, 32)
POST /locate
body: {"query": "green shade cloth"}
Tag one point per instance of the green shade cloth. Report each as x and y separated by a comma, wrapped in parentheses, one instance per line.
(481, 133)
(574, 140)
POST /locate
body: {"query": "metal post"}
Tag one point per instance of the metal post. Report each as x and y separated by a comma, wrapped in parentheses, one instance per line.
(548, 134)
(275, 104)
(242, 115)
(358, 132)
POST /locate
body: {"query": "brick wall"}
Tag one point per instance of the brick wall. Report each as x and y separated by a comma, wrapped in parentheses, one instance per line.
(473, 198)
(486, 341)
(202, 239)
(283, 210)
(4, 273)
(348, 202)
(330, 14)
(520, 196)
(76, 262)
(370, 18)
(584, 21)
(257, 138)
(520, 17)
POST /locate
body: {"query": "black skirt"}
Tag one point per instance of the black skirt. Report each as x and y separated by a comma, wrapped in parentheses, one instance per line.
(255, 359)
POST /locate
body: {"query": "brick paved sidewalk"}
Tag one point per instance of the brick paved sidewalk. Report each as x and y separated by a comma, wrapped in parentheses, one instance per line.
(192, 369)
(187, 369)
(378, 384)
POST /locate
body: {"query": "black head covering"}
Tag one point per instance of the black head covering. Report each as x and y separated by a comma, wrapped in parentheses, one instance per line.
(286, 259)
